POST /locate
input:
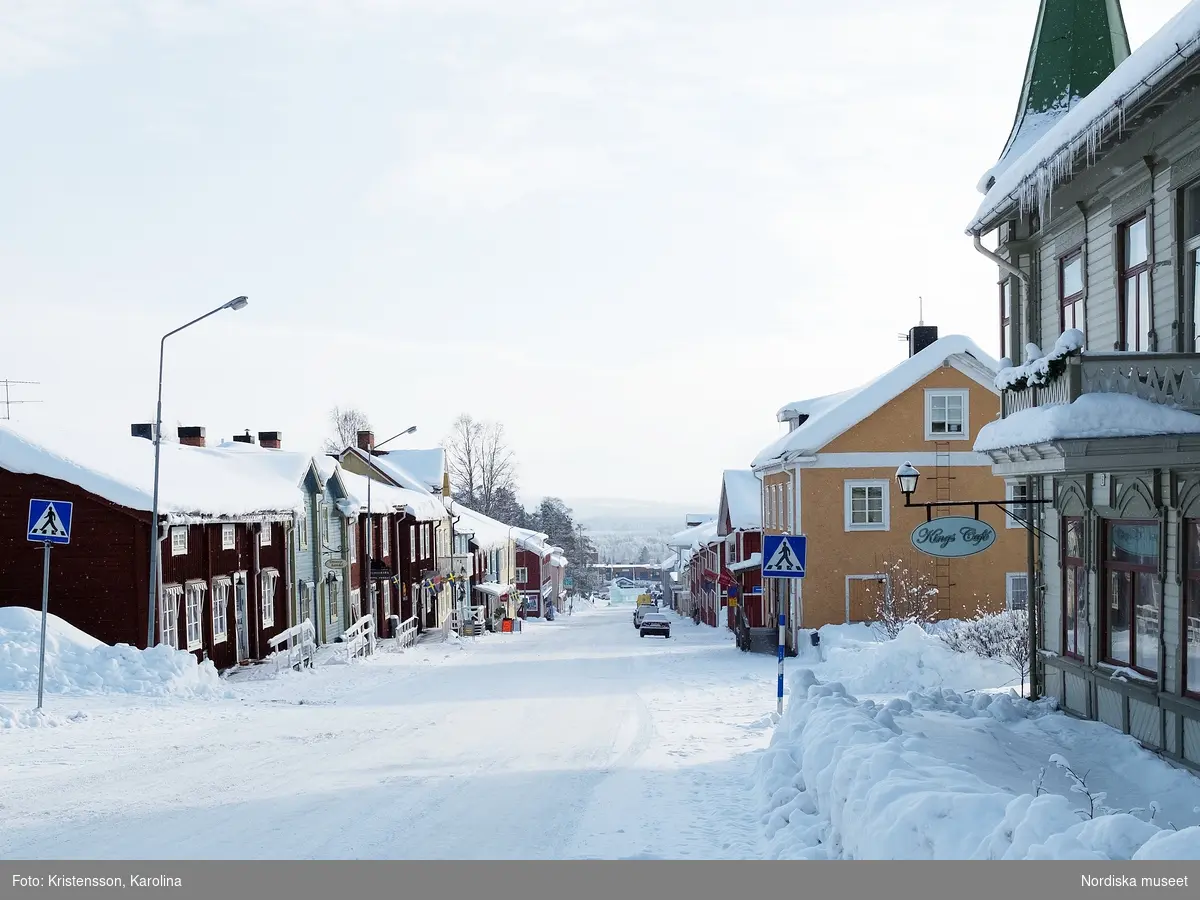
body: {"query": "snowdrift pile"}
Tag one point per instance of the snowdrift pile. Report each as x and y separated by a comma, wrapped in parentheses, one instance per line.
(861, 662)
(78, 663)
(842, 779)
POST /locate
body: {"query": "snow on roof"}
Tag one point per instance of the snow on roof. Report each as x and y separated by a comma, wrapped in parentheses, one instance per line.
(1029, 180)
(427, 466)
(741, 498)
(1090, 416)
(558, 560)
(393, 470)
(695, 537)
(384, 498)
(852, 407)
(533, 541)
(194, 482)
(813, 407)
(488, 533)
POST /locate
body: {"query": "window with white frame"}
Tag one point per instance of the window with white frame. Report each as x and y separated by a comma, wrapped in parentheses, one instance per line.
(1017, 514)
(264, 535)
(356, 604)
(522, 574)
(169, 628)
(1016, 590)
(353, 531)
(179, 536)
(788, 506)
(385, 593)
(867, 505)
(227, 537)
(946, 415)
(193, 604)
(412, 543)
(385, 543)
(302, 529)
(220, 608)
(270, 577)
(335, 599)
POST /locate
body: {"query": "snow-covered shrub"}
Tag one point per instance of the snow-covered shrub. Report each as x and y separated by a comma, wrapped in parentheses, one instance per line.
(908, 597)
(1000, 636)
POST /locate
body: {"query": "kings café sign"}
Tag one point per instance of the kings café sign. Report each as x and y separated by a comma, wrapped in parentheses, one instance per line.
(953, 537)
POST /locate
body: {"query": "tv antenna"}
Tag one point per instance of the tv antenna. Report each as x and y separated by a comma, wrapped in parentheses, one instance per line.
(8, 402)
(920, 318)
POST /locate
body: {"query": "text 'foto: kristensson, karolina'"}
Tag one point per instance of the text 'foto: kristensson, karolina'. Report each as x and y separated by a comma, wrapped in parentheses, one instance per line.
(1133, 881)
(92, 881)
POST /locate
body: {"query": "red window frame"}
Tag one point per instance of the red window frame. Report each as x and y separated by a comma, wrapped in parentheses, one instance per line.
(1191, 604)
(1070, 306)
(1108, 568)
(1136, 278)
(1074, 588)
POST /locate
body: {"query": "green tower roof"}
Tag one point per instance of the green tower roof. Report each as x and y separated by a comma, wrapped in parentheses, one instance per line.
(1076, 45)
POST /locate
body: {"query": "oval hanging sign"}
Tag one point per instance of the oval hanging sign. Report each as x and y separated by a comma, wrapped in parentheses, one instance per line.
(953, 536)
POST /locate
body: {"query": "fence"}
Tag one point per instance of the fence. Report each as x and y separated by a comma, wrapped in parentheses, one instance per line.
(360, 638)
(301, 649)
(406, 635)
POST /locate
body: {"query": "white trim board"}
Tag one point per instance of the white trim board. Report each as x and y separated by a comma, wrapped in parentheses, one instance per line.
(890, 460)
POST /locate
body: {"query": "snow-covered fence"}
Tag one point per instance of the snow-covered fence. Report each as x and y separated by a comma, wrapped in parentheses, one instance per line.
(301, 646)
(406, 636)
(360, 638)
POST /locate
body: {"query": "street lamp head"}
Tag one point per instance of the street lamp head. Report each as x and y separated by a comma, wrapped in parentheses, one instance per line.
(411, 429)
(907, 477)
(237, 303)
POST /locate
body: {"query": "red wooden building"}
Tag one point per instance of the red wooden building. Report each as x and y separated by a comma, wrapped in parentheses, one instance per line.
(739, 523)
(533, 577)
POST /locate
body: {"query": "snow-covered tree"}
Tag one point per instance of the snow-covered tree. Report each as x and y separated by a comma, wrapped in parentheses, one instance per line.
(1000, 636)
(907, 597)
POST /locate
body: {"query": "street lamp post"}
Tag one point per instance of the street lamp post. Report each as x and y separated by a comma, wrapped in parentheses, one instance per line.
(155, 539)
(371, 525)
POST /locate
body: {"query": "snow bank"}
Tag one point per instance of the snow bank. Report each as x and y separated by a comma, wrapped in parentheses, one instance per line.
(856, 658)
(1091, 416)
(842, 779)
(78, 663)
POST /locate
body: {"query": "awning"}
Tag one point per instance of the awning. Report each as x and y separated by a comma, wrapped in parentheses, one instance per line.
(494, 589)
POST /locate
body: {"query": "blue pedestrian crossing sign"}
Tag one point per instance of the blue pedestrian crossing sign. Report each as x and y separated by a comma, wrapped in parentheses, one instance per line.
(784, 555)
(49, 521)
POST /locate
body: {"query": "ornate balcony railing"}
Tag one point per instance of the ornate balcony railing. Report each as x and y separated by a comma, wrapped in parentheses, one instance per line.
(1169, 379)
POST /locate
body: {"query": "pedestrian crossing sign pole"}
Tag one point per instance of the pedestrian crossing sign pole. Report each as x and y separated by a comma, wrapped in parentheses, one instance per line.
(49, 524)
(784, 556)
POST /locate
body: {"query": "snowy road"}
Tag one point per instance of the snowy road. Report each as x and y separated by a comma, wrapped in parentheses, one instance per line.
(572, 739)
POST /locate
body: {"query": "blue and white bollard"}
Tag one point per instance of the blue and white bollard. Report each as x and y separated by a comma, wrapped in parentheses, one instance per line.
(782, 640)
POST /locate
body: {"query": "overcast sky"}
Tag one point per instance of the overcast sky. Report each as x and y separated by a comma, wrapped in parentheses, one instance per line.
(628, 230)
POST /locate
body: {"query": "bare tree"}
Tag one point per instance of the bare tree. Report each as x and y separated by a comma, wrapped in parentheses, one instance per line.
(1001, 636)
(481, 465)
(908, 597)
(347, 423)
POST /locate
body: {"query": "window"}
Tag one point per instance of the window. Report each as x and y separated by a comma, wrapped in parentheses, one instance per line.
(302, 531)
(335, 599)
(356, 604)
(227, 532)
(269, 579)
(425, 542)
(1130, 585)
(789, 506)
(1018, 514)
(264, 535)
(1074, 586)
(193, 598)
(1070, 290)
(384, 541)
(220, 609)
(169, 628)
(1006, 326)
(522, 574)
(412, 543)
(179, 536)
(1016, 590)
(353, 533)
(1135, 285)
(867, 505)
(946, 415)
(385, 593)
(1191, 253)
(1191, 610)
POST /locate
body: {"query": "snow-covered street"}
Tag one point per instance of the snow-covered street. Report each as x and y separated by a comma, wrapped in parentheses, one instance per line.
(572, 739)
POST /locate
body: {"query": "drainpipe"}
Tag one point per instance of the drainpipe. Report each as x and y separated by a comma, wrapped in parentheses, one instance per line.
(1153, 260)
(1026, 290)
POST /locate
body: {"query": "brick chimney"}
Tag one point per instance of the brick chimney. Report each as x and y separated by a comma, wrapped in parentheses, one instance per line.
(192, 436)
(246, 438)
(272, 440)
(142, 430)
(366, 440)
(920, 337)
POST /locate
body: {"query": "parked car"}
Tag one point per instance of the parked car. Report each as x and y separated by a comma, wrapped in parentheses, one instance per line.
(641, 611)
(655, 623)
